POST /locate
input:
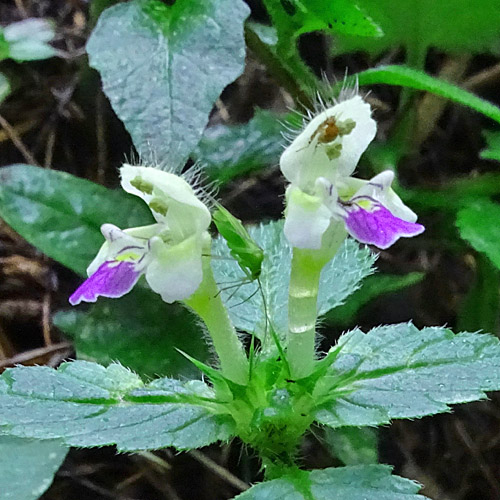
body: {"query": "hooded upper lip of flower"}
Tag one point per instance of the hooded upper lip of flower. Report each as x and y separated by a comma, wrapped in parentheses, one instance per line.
(319, 163)
(168, 252)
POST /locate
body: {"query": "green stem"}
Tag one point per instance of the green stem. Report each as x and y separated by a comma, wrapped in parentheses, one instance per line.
(290, 71)
(303, 298)
(302, 311)
(207, 303)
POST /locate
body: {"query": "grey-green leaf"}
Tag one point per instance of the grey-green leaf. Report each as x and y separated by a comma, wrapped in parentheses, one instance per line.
(353, 445)
(61, 214)
(339, 279)
(399, 371)
(478, 224)
(373, 482)
(229, 151)
(85, 404)
(27, 466)
(138, 330)
(163, 66)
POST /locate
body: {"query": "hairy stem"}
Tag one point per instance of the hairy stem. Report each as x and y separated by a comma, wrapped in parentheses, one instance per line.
(207, 303)
(291, 72)
(303, 298)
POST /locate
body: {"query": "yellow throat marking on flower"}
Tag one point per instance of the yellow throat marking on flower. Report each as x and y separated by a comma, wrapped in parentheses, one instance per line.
(365, 204)
(127, 256)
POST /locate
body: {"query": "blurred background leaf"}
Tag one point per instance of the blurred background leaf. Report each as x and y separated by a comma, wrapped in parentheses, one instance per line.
(371, 287)
(492, 152)
(27, 466)
(478, 224)
(419, 80)
(480, 308)
(138, 330)
(417, 25)
(353, 445)
(294, 17)
(27, 40)
(62, 214)
(230, 151)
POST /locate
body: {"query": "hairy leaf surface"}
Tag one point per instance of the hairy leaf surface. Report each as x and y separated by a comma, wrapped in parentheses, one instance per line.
(373, 482)
(399, 371)
(85, 404)
(163, 66)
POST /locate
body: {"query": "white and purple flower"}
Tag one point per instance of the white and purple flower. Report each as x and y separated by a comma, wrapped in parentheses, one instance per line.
(319, 163)
(169, 253)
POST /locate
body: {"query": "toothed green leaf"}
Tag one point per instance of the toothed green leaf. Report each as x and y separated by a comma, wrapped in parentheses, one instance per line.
(85, 404)
(373, 482)
(399, 371)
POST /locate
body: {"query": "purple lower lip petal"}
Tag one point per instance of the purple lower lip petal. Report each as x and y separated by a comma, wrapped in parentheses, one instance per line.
(111, 279)
(378, 226)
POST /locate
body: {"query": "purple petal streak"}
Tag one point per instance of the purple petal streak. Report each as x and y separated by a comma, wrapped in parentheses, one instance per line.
(378, 226)
(112, 279)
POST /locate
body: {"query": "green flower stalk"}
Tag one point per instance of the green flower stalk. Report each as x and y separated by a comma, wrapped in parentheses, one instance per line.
(303, 297)
(207, 303)
(174, 256)
(324, 203)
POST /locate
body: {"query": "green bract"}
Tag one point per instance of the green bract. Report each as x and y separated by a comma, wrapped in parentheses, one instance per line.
(243, 248)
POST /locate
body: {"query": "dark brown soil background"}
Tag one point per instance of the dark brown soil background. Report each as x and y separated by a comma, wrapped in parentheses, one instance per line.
(58, 118)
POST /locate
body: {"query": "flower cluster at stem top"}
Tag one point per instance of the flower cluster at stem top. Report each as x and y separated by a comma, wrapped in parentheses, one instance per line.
(322, 193)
